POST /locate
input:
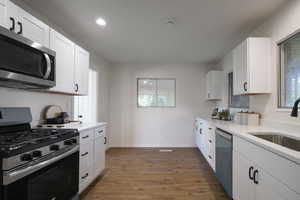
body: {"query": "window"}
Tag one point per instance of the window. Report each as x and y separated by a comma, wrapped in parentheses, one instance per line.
(156, 92)
(236, 101)
(289, 71)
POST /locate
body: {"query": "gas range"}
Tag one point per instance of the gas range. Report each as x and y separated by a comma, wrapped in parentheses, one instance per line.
(29, 158)
(13, 143)
(20, 148)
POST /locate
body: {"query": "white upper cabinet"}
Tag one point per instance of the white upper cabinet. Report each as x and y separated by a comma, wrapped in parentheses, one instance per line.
(72, 61)
(65, 56)
(23, 23)
(34, 29)
(214, 85)
(3, 13)
(252, 67)
(81, 75)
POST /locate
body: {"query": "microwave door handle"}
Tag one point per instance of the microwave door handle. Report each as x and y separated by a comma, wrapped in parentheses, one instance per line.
(48, 71)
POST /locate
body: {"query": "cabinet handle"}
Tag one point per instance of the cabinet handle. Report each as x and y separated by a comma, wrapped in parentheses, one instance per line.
(80, 116)
(84, 154)
(100, 131)
(85, 176)
(105, 140)
(21, 28)
(84, 137)
(210, 157)
(209, 128)
(208, 95)
(245, 86)
(77, 87)
(255, 177)
(251, 177)
(13, 24)
(210, 141)
(200, 130)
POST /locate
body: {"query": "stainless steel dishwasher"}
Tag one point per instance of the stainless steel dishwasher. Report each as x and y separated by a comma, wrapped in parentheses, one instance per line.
(224, 159)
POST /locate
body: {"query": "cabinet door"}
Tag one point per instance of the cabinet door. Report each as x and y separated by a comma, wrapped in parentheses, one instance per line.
(243, 186)
(198, 138)
(208, 85)
(240, 69)
(3, 13)
(86, 164)
(82, 64)
(99, 155)
(270, 188)
(13, 17)
(34, 29)
(64, 49)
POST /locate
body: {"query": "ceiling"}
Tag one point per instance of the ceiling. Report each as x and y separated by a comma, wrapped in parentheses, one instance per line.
(203, 32)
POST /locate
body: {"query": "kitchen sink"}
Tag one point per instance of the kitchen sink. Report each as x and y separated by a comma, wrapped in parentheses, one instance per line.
(285, 141)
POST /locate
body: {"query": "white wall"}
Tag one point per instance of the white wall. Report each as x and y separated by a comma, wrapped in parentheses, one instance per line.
(156, 127)
(279, 26)
(36, 101)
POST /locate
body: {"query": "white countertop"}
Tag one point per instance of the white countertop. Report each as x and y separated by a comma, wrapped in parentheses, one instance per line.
(86, 126)
(243, 132)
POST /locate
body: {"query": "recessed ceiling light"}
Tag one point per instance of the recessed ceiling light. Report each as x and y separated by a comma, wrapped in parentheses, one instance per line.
(101, 22)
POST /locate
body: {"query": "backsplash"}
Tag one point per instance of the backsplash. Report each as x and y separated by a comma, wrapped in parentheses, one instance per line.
(37, 101)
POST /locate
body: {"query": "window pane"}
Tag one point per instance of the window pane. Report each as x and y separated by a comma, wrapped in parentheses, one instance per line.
(156, 92)
(146, 93)
(166, 93)
(290, 71)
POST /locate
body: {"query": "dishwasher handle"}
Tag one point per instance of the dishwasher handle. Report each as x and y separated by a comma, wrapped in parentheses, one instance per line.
(224, 134)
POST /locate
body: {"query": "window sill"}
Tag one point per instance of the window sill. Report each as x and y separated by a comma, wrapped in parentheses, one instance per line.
(283, 109)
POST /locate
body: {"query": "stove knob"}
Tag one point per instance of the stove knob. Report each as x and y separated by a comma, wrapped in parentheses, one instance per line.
(54, 147)
(68, 142)
(37, 154)
(26, 157)
(74, 141)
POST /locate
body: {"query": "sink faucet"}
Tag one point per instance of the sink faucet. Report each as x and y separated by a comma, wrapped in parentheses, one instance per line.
(295, 108)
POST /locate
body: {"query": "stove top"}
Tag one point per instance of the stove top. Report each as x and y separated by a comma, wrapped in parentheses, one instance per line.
(13, 143)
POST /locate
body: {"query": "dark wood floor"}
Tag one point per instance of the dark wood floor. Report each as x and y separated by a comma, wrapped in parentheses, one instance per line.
(147, 174)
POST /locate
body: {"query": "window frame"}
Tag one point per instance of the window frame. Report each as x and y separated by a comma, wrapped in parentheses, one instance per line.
(156, 79)
(280, 67)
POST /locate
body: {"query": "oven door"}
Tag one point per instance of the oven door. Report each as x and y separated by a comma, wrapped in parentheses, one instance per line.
(24, 61)
(58, 181)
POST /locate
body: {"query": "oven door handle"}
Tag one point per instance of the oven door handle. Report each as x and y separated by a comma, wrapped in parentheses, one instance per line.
(48, 71)
(12, 176)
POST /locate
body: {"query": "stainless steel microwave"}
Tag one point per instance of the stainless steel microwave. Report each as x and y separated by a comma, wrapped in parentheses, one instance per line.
(25, 64)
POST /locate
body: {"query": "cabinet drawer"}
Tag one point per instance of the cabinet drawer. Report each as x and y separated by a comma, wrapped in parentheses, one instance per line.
(86, 135)
(280, 168)
(99, 132)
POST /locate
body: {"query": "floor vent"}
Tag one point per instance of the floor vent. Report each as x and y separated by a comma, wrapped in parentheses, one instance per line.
(165, 150)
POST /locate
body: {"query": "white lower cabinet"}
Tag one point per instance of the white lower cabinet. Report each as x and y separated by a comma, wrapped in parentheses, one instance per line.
(86, 158)
(205, 140)
(92, 156)
(99, 151)
(252, 180)
(243, 186)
